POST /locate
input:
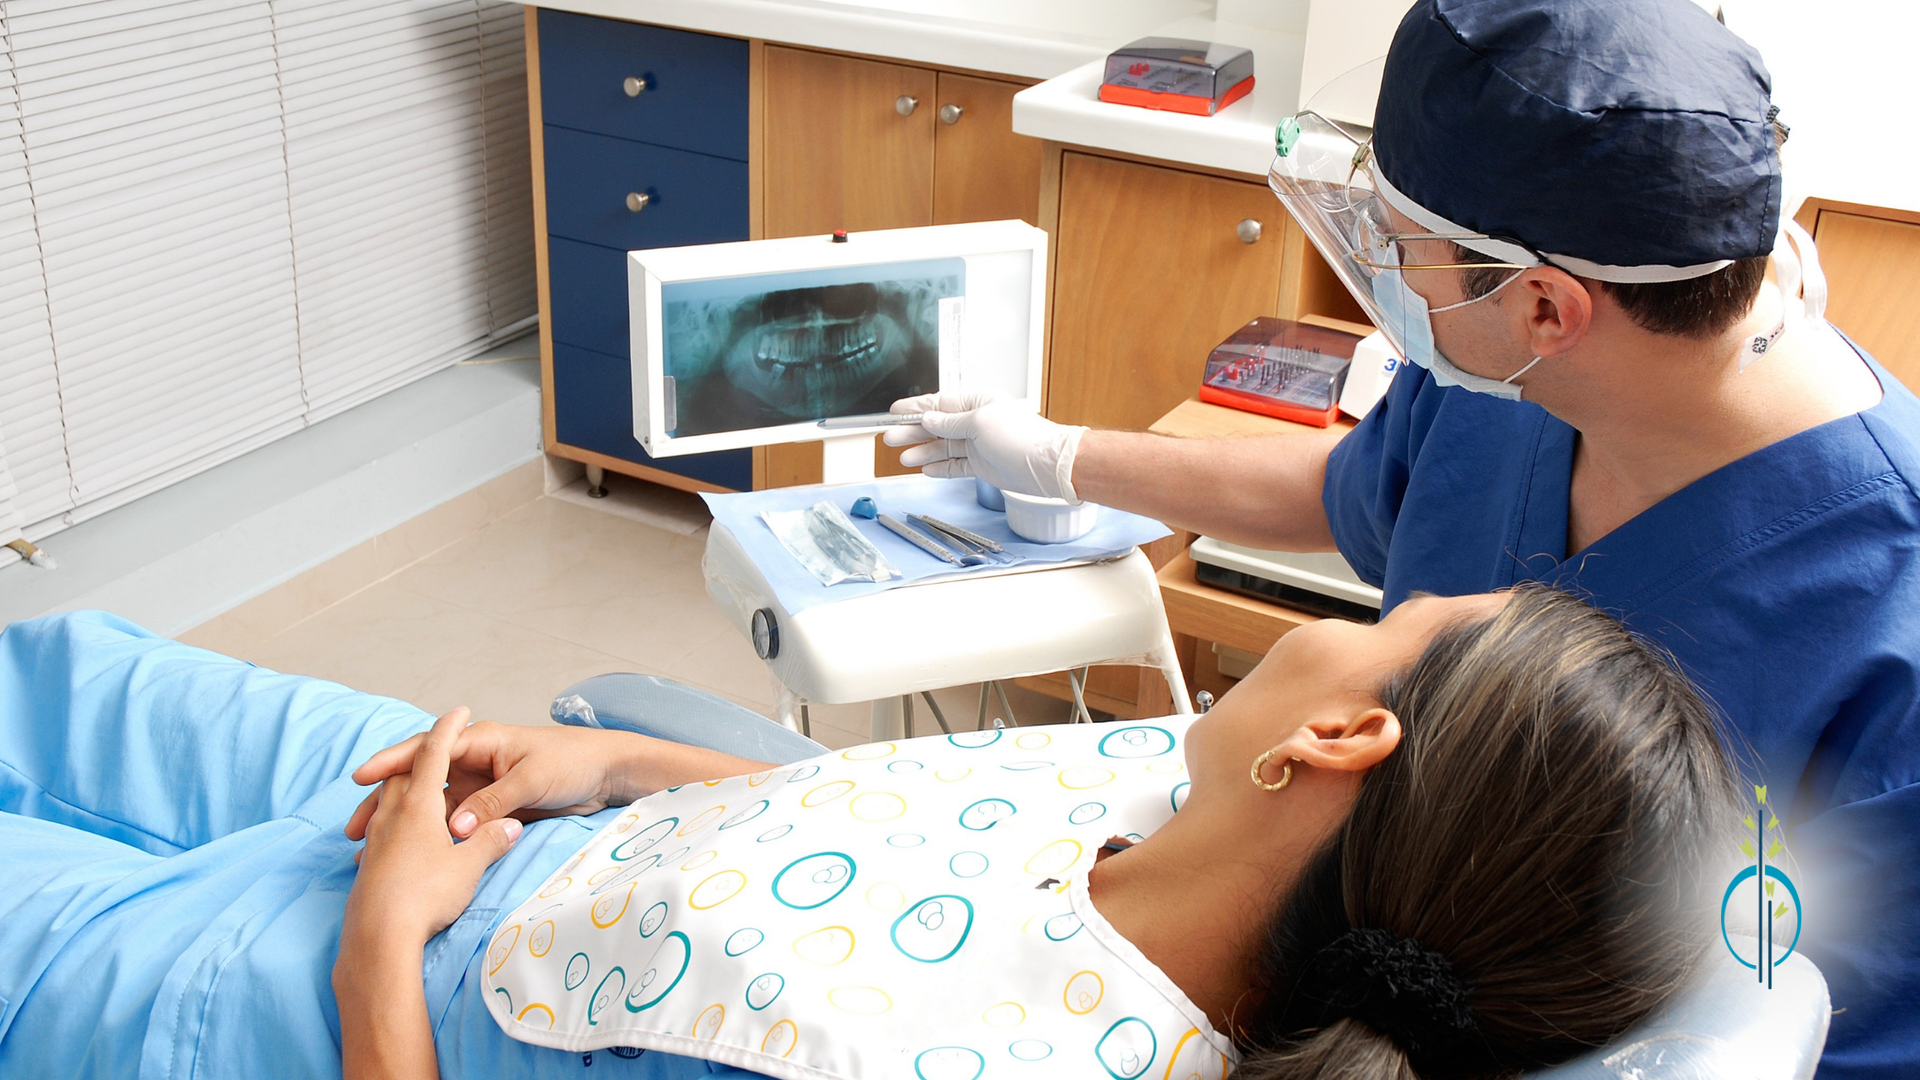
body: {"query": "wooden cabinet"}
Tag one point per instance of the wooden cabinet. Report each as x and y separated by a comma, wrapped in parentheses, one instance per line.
(839, 153)
(1870, 256)
(982, 171)
(1155, 266)
(856, 144)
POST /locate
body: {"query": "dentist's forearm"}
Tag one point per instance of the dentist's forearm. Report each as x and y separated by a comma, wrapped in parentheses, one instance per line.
(1262, 492)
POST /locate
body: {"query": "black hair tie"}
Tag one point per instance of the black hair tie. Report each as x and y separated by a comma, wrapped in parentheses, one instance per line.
(1398, 987)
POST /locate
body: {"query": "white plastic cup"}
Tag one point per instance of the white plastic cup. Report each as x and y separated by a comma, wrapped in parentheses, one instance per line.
(1049, 521)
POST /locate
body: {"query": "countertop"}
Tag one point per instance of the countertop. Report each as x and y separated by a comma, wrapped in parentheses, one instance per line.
(1239, 137)
(1062, 41)
(1036, 39)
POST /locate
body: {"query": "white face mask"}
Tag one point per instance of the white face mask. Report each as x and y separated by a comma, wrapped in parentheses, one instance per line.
(1409, 323)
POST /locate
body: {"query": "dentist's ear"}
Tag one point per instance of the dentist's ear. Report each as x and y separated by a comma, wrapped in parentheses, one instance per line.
(1558, 309)
(1343, 744)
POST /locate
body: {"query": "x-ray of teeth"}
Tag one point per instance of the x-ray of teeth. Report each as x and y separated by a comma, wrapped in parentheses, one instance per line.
(770, 349)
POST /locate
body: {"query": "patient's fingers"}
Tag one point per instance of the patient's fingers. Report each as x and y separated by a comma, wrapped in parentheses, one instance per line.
(514, 791)
(397, 758)
(430, 762)
(357, 824)
(488, 843)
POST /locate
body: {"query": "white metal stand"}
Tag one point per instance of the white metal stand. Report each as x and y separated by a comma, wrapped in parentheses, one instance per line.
(881, 646)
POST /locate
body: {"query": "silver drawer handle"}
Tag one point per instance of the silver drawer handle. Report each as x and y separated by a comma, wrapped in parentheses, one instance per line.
(1248, 231)
(638, 200)
(950, 114)
(635, 84)
(905, 104)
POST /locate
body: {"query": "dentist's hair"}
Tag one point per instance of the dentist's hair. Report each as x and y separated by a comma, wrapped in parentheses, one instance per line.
(1522, 880)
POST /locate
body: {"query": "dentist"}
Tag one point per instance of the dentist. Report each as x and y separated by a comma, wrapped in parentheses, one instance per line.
(1568, 218)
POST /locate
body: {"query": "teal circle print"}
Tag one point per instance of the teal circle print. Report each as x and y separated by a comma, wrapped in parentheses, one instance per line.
(967, 864)
(577, 970)
(1127, 1049)
(1177, 798)
(949, 1063)
(744, 940)
(659, 979)
(933, 929)
(804, 772)
(1749, 872)
(1136, 742)
(986, 813)
(974, 740)
(809, 882)
(1086, 812)
(763, 989)
(650, 922)
(644, 839)
(1061, 927)
(904, 766)
(745, 816)
(1030, 1049)
(603, 995)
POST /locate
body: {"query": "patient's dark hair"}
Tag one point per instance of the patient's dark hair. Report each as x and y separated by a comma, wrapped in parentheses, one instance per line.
(1521, 880)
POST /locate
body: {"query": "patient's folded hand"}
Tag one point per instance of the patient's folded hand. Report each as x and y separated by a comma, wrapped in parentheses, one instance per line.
(414, 880)
(500, 770)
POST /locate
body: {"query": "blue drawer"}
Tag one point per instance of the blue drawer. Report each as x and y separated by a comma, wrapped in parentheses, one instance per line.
(694, 199)
(593, 408)
(589, 288)
(697, 83)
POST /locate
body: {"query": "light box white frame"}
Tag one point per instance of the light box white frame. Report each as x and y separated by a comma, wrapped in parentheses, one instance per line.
(985, 360)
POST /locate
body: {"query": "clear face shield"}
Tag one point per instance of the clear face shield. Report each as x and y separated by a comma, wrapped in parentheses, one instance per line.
(1326, 177)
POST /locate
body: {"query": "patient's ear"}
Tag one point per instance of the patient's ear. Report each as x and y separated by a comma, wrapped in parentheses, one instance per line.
(1353, 743)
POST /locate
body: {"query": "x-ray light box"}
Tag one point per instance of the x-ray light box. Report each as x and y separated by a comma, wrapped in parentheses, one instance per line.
(754, 343)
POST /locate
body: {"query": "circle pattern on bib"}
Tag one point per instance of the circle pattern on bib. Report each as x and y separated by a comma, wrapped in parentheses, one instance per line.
(809, 882)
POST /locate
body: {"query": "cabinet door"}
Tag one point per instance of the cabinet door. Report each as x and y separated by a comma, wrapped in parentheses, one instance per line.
(982, 171)
(839, 153)
(1872, 267)
(1151, 275)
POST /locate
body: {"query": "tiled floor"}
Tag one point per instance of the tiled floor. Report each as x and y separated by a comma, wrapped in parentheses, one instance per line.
(505, 596)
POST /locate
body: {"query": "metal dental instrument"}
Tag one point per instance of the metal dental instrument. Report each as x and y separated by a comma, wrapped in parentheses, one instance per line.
(944, 537)
(959, 533)
(937, 550)
(880, 419)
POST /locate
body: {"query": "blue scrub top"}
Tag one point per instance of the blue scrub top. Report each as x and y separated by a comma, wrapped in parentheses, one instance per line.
(1786, 584)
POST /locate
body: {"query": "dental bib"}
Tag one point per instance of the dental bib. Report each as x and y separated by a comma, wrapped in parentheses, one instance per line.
(913, 909)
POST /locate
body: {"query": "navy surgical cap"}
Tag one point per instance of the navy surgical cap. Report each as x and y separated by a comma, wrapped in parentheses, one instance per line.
(1622, 135)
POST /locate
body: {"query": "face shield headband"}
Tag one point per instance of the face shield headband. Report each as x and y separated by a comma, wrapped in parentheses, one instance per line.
(1326, 176)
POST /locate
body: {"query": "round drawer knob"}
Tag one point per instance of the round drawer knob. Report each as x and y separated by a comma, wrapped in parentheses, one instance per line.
(950, 114)
(635, 84)
(638, 200)
(905, 104)
(1248, 231)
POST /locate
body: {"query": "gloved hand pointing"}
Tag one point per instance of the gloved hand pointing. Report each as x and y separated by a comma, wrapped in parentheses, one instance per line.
(1001, 441)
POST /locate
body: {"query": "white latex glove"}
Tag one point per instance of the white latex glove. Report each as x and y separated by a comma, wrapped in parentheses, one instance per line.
(1001, 441)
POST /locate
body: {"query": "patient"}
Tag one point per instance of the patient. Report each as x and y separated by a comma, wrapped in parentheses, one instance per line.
(1469, 846)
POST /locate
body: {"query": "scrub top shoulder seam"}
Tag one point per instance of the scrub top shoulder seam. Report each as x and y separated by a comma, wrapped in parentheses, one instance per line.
(1705, 562)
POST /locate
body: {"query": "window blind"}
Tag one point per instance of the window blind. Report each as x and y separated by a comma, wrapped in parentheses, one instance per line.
(222, 220)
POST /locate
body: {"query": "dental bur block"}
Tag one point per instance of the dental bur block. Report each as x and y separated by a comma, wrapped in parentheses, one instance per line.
(1176, 75)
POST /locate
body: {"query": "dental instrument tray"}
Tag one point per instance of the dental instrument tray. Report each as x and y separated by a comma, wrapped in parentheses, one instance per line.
(1281, 368)
(926, 529)
(1177, 75)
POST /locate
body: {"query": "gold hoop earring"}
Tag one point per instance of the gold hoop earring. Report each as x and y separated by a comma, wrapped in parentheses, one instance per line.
(1260, 765)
